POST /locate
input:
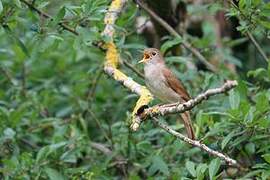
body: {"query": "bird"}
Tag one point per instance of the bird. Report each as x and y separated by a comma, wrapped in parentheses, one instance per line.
(164, 85)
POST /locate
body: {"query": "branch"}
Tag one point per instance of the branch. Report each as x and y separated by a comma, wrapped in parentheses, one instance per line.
(136, 71)
(195, 143)
(186, 44)
(180, 108)
(7, 75)
(256, 44)
(112, 60)
(97, 121)
(93, 85)
(47, 16)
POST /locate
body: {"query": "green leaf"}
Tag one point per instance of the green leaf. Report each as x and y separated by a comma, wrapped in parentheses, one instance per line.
(233, 60)
(266, 157)
(227, 139)
(250, 148)
(43, 4)
(1, 7)
(191, 168)
(262, 103)
(144, 146)
(249, 2)
(54, 174)
(170, 43)
(69, 156)
(236, 42)
(242, 3)
(16, 39)
(200, 170)
(265, 24)
(258, 73)
(54, 147)
(234, 99)
(249, 115)
(213, 168)
(158, 165)
(42, 154)
(9, 133)
(266, 175)
(18, 3)
(255, 2)
(265, 11)
(60, 15)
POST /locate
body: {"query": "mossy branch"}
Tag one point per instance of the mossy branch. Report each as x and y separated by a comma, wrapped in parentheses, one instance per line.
(112, 60)
(182, 107)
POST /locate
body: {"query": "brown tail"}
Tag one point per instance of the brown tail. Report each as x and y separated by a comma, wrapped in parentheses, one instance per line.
(188, 125)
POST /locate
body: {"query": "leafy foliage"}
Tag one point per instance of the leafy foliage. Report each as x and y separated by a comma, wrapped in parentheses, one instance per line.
(56, 105)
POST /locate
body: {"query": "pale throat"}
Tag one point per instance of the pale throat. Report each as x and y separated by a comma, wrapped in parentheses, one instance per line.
(155, 81)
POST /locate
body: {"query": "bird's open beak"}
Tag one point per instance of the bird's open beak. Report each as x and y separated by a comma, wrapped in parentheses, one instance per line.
(145, 58)
(141, 61)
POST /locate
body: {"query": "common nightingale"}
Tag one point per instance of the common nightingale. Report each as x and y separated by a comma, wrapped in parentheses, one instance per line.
(163, 84)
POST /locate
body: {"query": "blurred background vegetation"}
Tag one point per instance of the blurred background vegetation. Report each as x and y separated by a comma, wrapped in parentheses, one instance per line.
(61, 117)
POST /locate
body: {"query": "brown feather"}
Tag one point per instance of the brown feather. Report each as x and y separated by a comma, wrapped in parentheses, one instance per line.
(188, 125)
(175, 84)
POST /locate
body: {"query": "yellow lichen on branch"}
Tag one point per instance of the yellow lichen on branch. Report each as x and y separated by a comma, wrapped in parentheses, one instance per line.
(145, 98)
(116, 4)
(112, 61)
(112, 57)
(111, 16)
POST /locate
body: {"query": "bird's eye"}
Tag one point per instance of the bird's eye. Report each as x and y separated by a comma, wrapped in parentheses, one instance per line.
(154, 53)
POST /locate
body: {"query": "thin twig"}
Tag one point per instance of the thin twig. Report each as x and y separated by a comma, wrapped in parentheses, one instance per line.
(7, 74)
(99, 125)
(254, 41)
(94, 83)
(180, 108)
(202, 146)
(186, 44)
(136, 71)
(43, 14)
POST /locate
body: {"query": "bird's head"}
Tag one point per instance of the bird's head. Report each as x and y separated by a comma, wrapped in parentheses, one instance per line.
(151, 55)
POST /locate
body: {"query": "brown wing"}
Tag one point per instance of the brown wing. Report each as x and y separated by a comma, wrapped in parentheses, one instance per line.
(188, 124)
(175, 84)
